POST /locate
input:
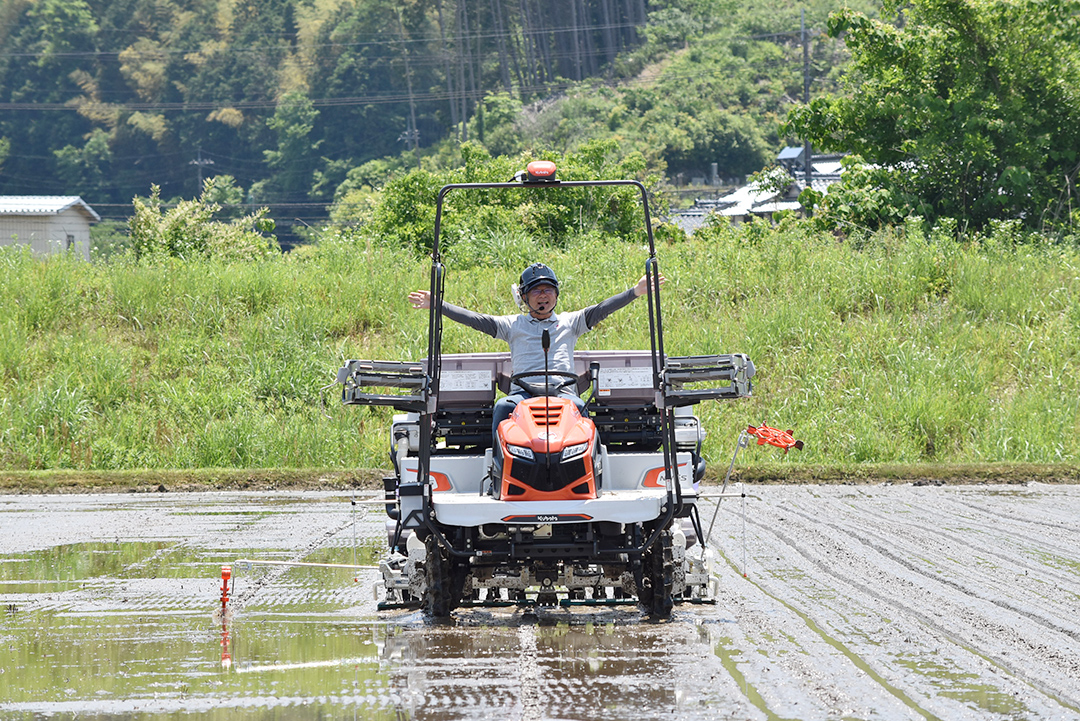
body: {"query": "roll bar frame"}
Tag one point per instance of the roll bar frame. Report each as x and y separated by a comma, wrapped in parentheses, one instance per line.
(674, 503)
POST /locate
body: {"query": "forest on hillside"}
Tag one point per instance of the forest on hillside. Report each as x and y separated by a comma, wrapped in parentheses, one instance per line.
(297, 101)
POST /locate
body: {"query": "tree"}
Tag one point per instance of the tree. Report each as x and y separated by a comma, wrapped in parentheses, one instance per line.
(188, 229)
(42, 47)
(64, 26)
(963, 108)
(293, 162)
(223, 192)
(84, 169)
(495, 124)
(404, 212)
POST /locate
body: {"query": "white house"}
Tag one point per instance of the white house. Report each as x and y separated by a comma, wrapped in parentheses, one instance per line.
(47, 223)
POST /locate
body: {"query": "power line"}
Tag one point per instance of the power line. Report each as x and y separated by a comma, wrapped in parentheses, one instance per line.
(423, 38)
(436, 59)
(380, 99)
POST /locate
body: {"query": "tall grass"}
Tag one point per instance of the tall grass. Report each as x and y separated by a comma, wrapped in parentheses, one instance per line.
(904, 346)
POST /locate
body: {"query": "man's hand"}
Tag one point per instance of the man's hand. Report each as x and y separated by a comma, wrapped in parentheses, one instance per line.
(420, 299)
(642, 286)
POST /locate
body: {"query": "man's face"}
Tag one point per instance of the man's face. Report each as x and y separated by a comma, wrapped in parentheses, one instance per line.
(542, 300)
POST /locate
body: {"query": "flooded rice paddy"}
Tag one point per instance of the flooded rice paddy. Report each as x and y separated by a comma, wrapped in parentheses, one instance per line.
(836, 602)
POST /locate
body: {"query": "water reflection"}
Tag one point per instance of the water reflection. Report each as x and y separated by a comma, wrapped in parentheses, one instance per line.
(513, 666)
(566, 665)
(158, 666)
(135, 630)
(965, 686)
(226, 643)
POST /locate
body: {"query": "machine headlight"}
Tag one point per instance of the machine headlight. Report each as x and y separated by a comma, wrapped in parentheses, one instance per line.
(520, 452)
(574, 451)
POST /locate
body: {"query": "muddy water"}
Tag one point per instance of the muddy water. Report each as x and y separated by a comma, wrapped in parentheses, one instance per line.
(884, 602)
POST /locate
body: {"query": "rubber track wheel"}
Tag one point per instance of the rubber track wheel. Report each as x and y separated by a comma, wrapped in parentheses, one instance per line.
(655, 595)
(438, 598)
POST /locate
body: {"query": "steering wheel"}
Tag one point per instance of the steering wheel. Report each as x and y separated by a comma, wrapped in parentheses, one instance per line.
(537, 389)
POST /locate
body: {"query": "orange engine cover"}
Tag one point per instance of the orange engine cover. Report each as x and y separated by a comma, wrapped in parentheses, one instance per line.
(547, 448)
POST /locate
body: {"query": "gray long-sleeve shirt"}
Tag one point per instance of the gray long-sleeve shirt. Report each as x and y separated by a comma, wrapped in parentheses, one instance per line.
(523, 332)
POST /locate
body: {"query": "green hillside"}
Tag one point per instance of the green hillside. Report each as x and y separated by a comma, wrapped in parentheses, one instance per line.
(293, 98)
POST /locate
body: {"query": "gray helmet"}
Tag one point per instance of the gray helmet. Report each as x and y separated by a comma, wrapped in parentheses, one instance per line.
(537, 274)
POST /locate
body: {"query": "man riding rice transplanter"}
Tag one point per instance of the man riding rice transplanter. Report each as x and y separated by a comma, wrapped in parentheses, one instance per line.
(539, 293)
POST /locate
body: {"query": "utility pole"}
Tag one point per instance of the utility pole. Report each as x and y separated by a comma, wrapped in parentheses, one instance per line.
(807, 165)
(412, 134)
(199, 163)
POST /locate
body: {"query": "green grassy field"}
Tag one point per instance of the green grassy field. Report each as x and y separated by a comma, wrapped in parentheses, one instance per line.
(901, 350)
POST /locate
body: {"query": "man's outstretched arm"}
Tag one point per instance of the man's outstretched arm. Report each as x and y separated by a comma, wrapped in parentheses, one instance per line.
(476, 321)
(596, 313)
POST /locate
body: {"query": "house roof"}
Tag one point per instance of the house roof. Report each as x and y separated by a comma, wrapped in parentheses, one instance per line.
(744, 200)
(44, 205)
(690, 220)
(775, 206)
(828, 167)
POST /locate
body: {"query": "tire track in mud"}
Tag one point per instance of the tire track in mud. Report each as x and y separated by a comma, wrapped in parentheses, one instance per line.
(787, 666)
(978, 640)
(530, 705)
(970, 579)
(857, 571)
(770, 637)
(1057, 537)
(1034, 493)
(123, 591)
(262, 584)
(1052, 555)
(192, 532)
(930, 545)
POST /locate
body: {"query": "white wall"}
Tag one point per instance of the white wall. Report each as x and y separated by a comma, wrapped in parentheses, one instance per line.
(48, 233)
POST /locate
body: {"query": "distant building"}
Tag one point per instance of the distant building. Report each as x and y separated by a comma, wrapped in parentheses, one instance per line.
(47, 223)
(741, 204)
